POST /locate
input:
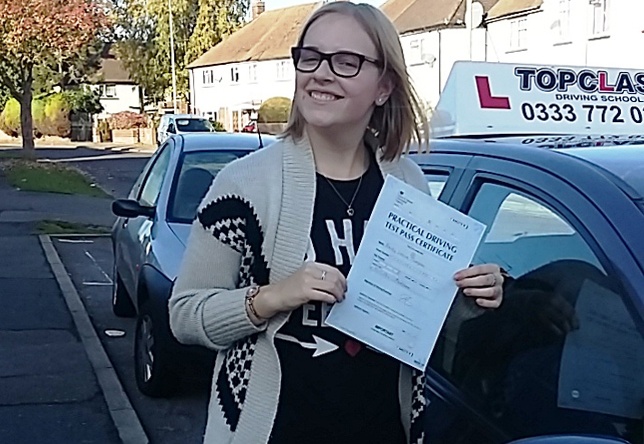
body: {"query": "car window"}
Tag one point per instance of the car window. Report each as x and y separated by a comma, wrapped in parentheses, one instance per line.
(196, 173)
(563, 354)
(194, 125)
(152, 185)
(436, 183)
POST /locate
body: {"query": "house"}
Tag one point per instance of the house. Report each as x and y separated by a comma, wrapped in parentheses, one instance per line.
(118, 91)
(599, 33)
(436, 33)
(230, 81)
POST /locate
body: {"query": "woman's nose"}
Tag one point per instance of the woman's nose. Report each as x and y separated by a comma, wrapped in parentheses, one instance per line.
(324, 72)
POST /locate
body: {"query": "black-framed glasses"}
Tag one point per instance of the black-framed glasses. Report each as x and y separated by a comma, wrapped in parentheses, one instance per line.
(343, 63)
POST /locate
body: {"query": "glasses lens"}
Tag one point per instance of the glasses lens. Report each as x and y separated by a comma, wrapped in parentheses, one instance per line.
(346, 64)
(307, 60)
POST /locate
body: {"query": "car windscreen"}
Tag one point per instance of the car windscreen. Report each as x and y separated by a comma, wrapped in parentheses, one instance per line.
(194, 126)
(195, 173)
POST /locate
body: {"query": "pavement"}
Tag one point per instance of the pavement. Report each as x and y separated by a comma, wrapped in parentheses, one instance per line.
(65, 143)
(57, 385)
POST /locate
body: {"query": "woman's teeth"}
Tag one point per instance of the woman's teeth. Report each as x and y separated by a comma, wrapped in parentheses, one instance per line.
(323, 96)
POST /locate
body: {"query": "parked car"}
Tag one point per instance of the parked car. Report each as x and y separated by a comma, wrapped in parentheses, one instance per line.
(149, 237)
(171, 124)
(560, 187)
(250, 127)
(570, 237)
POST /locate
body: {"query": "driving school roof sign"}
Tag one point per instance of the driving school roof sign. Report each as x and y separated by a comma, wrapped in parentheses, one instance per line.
(497, 98)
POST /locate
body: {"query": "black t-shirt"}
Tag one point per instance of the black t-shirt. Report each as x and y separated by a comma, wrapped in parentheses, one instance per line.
(334, 389)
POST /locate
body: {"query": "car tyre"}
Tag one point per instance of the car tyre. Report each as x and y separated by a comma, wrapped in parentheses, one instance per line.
(155, 375)
(122, 305)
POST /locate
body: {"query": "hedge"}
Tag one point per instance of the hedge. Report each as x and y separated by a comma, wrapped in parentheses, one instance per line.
(127, 120)
(10, 118)
(50, 117)
(274, 110)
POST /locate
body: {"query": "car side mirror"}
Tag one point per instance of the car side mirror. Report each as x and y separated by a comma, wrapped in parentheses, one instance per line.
(171, 129)
(130, 209)
(570, 439)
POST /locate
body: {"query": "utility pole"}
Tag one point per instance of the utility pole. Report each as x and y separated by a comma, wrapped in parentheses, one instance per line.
(174, 74)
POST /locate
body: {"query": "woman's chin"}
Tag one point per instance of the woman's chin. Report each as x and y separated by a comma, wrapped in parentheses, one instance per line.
(322, 118)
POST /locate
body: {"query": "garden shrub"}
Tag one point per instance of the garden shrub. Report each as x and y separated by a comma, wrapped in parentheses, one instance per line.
(39, 118)
(10, 118)
(218, 126)
(127, 120)
(274, 110)
(57, 122)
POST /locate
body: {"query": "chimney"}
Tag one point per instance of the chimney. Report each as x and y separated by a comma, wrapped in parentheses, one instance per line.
(258, 7)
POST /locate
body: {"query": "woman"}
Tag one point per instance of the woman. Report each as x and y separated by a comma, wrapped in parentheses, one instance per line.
(275, 238)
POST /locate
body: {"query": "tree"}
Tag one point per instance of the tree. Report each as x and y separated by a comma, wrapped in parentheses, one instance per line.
(4, 96)
(216, 19)
(44, 40)
(136, 48)
(144, 37)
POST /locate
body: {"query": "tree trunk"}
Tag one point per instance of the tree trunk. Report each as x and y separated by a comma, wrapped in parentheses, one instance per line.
(26, 120)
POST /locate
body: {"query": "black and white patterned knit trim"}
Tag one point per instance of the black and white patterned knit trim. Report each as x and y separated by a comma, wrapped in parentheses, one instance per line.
(233, 378)
(233, 221)
(418, 405)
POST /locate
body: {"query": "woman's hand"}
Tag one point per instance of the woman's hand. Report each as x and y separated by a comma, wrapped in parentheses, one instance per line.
(312, 282)
(483, 282)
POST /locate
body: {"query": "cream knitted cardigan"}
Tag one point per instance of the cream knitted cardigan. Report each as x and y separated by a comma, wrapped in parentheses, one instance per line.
(253, 227)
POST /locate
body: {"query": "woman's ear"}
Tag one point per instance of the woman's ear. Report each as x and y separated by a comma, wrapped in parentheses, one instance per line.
(385, 88)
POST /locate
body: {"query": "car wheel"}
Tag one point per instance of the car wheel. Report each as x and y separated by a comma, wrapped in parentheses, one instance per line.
(155, 376)
(122, 305)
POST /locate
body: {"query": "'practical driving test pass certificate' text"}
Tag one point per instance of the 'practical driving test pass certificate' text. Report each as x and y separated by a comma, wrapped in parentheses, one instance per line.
(401, 284)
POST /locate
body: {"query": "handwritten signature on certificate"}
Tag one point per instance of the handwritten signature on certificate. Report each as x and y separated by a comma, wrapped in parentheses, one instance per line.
(400, 287)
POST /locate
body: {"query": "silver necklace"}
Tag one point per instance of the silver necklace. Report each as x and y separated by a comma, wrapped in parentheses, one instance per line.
(349, 205)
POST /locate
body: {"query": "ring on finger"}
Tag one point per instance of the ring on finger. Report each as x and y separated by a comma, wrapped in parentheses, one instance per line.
(323, 275)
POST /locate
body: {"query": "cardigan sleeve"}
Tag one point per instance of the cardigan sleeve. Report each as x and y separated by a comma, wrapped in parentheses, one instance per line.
(206, 306)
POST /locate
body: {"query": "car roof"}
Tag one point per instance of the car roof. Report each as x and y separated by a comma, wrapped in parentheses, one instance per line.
(183, 116)
(623, 164)
(221, 140)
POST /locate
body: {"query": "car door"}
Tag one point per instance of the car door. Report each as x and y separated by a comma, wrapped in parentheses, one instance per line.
(565, 352)
(137, 230)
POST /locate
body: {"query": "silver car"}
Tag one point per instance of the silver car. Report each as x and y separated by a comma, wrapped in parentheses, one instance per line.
(171, 124)
(149, 238)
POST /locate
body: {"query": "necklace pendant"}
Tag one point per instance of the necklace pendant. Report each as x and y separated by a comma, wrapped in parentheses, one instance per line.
(350, 211)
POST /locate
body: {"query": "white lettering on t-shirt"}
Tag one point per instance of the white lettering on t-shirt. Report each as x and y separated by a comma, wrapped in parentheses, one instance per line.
(308, 311)
(337, 241)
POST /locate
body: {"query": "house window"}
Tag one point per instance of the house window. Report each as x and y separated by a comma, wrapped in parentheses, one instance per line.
(518, 33)
(234, 74)
(108, 91)
(599, 16)
(564, 19)
(208, 77)
(252, 73)
(415, 51)
(282, 69)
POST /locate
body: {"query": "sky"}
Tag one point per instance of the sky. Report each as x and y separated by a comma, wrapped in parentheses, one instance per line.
(276, 4)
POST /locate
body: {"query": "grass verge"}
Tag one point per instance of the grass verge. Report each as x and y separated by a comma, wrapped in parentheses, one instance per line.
(50, 178)
(9, 154)
(54, 227)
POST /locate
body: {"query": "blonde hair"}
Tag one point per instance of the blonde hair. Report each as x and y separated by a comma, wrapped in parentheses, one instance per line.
(400, 120)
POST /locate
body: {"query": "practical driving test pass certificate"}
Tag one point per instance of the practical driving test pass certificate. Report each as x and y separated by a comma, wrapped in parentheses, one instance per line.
(401, 284)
